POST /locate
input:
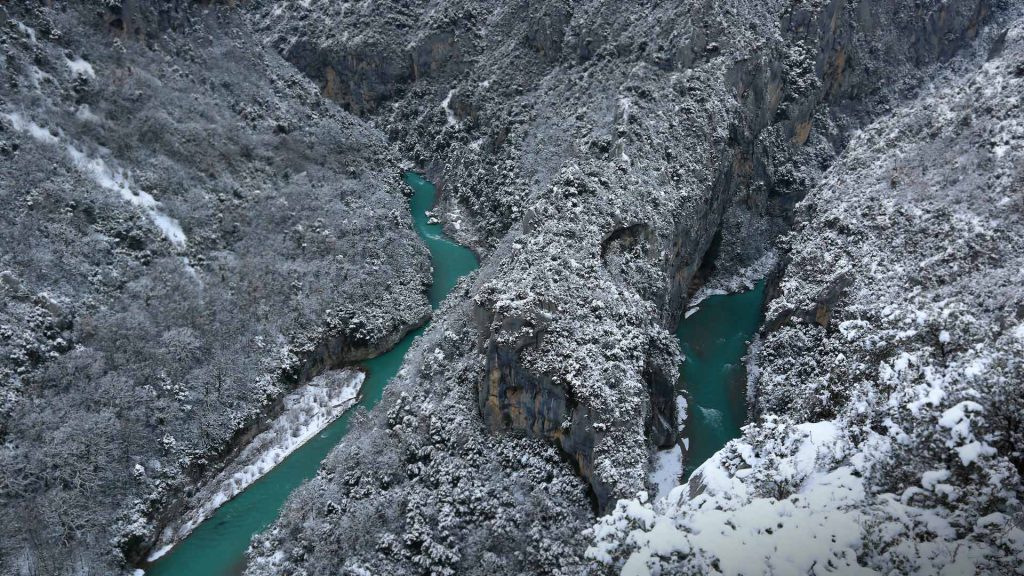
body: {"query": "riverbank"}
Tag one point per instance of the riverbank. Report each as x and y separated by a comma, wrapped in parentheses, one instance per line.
(307, 412)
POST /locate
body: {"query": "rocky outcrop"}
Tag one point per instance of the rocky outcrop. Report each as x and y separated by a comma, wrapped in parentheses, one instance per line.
(510, 397)
(345, 340)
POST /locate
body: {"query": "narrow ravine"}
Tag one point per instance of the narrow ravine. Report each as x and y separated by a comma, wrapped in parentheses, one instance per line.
(713, 377)
(217, 546)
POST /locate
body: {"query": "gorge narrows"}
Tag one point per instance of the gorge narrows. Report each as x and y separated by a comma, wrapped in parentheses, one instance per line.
(715, 337)
(217, 546)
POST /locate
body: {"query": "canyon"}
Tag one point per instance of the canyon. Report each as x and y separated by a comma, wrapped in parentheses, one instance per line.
(614, 168)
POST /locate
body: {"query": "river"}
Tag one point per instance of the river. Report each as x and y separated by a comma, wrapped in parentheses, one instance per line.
(217, 546)
(713, 377)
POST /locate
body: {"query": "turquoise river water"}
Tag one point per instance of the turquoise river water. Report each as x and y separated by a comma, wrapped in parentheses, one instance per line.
(713, 376)
(217, 546)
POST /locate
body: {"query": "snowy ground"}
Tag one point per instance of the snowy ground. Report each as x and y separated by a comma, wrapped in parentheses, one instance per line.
(307, 411)
(667, 469)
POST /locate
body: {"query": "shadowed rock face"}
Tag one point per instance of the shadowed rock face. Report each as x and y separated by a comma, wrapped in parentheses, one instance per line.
(512, 398)
(367, 72)
(593, 168)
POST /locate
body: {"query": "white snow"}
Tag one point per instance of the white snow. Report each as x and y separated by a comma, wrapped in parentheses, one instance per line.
(85, 114)
(667, 470)
(691, 312)
(932, 478)
(106, 177)
(34, 130)
(26, 30)
(452, 121)
(810, 532)
(973, 450)
(625, 106)
(681, 407)
(740, 281)
(116, 181)
(307, 412)
(783, 536)
(957, 420)
(976, 368)
(80, 67)
(813, 527)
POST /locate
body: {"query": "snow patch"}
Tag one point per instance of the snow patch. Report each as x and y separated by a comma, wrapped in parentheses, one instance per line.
(932, 478)
(681, 407)
(957, 419)
(34, 130)
(666, 470)
(80, 67)
(971, 451)
(117, 181)
(452, 121)
(26, 30)
(625, 107)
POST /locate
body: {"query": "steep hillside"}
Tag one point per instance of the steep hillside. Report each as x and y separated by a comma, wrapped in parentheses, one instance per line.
(888, 430)
(188, 229)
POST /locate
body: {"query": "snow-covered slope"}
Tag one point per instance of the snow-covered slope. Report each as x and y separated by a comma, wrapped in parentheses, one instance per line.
(888, 435)
(307, 411)
(188, 230)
